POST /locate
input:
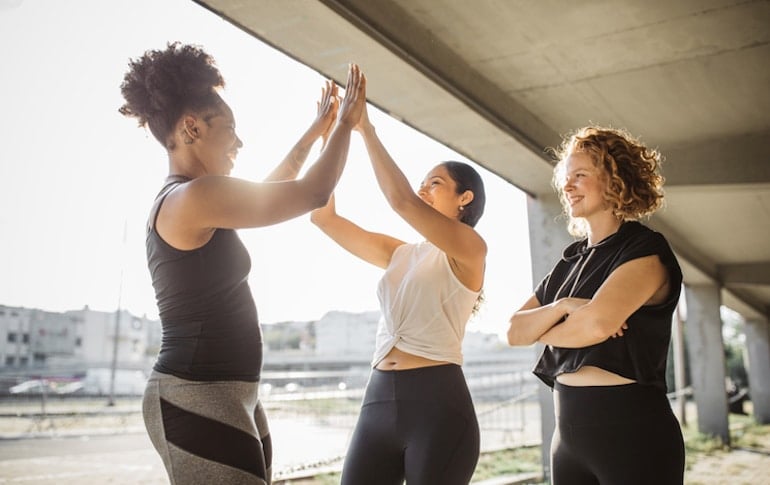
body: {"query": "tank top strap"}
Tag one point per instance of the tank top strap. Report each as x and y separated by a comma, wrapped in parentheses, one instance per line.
(172, 182)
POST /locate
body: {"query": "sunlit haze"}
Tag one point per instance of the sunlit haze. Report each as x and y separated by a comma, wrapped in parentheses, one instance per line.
(77, 176)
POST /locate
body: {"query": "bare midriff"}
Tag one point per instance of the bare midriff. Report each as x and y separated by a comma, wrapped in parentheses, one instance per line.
(400, 360)
(592, 376)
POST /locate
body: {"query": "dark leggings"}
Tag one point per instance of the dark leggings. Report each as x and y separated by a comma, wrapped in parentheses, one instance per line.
(416, 424)
(613, 435)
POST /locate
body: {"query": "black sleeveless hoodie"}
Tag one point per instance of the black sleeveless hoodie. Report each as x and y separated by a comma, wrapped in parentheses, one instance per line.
(641, 353)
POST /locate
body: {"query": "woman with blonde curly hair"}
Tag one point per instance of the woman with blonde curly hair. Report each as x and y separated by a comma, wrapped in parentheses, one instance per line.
(604, 314)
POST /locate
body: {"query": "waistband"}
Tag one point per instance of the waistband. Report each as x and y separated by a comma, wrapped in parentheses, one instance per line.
(443, 383)
(590, 404)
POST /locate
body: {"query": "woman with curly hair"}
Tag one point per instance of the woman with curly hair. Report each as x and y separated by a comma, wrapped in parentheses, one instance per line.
(201, 406)
(604, 314)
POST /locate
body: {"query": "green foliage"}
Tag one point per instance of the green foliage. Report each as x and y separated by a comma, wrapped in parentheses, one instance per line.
(508, 462)
(746, 433)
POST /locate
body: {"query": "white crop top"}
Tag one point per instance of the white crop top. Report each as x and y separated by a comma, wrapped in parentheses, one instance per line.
(424, 306)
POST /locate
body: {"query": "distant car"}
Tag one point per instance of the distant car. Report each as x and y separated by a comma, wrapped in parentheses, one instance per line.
(40, 386)
(292, 387)
(33, 386)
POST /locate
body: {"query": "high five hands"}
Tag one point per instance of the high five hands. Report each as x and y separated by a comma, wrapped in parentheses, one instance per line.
(327, 108)
(349, 110)
(354, 101)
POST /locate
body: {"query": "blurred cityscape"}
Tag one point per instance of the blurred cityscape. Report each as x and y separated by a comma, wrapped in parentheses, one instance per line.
(83, 372)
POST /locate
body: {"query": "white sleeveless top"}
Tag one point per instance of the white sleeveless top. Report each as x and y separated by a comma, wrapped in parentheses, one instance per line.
(424, 306)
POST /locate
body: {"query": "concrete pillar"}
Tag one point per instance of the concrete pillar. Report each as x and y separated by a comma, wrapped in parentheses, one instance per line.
(758, 347)
(547, 238)
(707, 359)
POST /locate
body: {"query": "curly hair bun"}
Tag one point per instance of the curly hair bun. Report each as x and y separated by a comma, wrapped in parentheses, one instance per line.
(162, 84)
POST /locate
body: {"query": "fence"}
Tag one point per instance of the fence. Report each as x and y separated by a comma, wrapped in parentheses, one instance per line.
(320, 406)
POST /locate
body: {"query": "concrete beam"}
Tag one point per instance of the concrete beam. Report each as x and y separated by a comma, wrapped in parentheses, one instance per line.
(740, 160)
(394, 28)
(699, 269)
(739, 299)
(745, 273)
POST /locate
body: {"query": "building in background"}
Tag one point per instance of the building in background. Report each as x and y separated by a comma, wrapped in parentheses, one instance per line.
(346, 334)
(34, 341)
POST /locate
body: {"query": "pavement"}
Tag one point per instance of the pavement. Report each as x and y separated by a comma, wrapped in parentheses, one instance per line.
(116, 451)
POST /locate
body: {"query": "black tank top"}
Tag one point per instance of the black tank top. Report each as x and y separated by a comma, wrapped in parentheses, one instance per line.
(641, 353)
(209, 319)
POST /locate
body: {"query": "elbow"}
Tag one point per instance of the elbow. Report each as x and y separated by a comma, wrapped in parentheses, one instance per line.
(317, 196)
(315, 218)
(601, 329)
(317, 200)
(516, 337)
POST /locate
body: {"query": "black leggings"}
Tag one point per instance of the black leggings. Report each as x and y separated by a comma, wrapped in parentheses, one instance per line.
(416, 424)
(613, 435)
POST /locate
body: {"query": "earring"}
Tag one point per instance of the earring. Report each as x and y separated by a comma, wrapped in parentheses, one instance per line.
(462, 208)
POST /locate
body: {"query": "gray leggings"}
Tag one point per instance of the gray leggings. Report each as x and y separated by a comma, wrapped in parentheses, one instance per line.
(208, 431)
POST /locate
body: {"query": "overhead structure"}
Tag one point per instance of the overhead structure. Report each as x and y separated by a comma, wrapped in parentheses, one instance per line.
(499, 81)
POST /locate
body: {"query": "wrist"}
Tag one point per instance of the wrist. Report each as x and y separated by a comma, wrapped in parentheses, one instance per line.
(346, 124)
(560, 307)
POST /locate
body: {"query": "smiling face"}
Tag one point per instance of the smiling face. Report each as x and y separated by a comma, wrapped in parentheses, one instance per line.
(583, 186)
(218, 142)
(439, 190)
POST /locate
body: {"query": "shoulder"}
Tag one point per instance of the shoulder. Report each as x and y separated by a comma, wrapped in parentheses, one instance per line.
(637, 236)
(640, 241)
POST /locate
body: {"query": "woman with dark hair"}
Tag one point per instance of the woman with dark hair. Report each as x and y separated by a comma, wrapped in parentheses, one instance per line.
(201, 406)
(604, 314)
(417, 420)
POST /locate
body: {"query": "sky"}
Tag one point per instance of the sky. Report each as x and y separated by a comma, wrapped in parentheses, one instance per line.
(78, 178)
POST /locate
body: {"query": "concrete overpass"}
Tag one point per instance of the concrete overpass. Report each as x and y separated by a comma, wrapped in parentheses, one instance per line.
(499, 81)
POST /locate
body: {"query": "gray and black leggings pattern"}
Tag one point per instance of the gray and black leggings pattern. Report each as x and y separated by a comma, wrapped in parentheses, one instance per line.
(208, 431)
(416, 424)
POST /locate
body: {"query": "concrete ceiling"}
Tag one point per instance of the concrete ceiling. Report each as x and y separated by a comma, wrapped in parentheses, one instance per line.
(500, 80)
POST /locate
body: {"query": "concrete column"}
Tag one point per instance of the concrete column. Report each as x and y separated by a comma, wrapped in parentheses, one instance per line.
(547, 238)
(707, 359)
(758, 347)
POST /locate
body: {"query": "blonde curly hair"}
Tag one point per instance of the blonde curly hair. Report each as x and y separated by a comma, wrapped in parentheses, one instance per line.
(634, 185)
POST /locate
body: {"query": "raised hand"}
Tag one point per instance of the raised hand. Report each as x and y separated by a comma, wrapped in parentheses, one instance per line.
(327, 108)
(354, 100)
(363, 122)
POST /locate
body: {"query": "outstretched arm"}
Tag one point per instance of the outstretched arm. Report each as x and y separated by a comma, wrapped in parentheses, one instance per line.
(289, 168)
(196, 208)
(374, 248)
(462, 244)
